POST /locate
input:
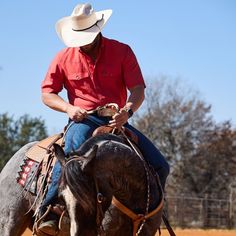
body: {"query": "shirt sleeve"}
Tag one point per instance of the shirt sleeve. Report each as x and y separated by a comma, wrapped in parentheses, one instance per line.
(131, 71)
(54, 79)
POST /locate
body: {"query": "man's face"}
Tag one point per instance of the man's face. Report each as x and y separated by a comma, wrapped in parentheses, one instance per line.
(90, 47)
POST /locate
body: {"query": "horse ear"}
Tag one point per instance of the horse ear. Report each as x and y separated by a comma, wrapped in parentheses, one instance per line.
(88, 157)
(60, 155)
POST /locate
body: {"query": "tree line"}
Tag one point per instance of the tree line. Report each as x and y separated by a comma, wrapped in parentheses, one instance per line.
(200, 151)
(16, 132)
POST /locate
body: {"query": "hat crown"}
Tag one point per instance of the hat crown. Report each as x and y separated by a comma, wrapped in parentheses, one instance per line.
(82, 26)
(82, 10)
(83, 17)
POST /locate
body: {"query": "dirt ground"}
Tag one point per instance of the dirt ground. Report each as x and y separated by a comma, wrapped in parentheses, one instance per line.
(186, 232)
(199, 232)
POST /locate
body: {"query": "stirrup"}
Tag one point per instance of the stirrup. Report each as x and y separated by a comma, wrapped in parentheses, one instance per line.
(48, 228)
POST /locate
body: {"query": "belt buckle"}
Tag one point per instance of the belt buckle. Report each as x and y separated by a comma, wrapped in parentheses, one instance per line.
(108, 110)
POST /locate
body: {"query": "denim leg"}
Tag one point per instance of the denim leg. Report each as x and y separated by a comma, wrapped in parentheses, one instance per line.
(76, 134)
(152, 155)
(53, 187)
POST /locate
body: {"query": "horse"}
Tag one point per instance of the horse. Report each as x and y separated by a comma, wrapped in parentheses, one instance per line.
(103, 184)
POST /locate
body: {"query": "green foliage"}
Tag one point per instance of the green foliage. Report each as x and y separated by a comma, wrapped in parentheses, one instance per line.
(16, 133)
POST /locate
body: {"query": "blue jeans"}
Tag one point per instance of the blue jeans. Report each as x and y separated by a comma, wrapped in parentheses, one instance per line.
(78, 133)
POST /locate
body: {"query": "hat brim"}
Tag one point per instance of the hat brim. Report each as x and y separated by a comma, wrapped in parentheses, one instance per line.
(73, 38)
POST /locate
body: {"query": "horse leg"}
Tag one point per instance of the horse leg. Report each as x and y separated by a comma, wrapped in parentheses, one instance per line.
(13, 208)
(13, 220)
(14, 224)
(115, 223)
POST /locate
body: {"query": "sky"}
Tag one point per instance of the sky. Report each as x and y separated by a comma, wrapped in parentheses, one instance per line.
(194, 40)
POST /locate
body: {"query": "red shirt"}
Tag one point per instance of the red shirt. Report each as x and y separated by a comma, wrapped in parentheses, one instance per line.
(90, 84)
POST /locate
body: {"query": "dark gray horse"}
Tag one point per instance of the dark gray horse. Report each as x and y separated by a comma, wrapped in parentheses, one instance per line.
(102, 168)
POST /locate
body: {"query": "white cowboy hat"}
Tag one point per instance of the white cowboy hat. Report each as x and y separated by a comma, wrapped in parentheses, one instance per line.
(82, 26)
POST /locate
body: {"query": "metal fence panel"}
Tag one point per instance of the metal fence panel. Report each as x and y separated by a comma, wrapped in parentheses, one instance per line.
(192, 212)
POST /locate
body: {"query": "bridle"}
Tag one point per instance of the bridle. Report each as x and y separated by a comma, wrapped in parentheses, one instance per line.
(138, 219)
(100, 213)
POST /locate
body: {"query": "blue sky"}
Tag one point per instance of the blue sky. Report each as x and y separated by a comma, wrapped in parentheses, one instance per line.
(191, 39)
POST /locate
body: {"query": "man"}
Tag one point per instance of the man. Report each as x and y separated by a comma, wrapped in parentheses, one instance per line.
(95, 71)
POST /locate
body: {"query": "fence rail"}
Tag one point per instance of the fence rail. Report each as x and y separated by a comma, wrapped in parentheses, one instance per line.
(192, 212)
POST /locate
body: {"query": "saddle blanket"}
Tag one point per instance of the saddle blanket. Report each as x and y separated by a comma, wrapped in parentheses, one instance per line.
(37, 163)
(28, 174)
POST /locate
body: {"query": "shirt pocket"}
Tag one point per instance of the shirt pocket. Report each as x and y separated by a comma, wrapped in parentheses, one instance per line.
(80, 83)
(78, 76)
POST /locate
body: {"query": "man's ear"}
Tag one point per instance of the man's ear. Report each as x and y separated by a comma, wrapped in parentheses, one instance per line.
(60, 154)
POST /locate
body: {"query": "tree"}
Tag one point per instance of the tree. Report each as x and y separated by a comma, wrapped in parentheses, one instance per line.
(16, 133)
(199, 151)
(212, 168)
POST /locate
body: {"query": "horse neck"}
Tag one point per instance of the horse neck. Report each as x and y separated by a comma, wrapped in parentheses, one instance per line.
(127, 179)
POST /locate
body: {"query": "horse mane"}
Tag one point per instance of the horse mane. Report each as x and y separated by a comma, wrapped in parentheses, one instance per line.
(80, 184)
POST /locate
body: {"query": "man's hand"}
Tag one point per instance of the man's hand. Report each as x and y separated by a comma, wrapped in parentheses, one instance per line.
(119, 119)
(135, 100)
(76, 113)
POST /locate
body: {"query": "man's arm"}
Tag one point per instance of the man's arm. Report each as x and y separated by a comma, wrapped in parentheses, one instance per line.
(57, 103)
(136, 98)
(134, 102)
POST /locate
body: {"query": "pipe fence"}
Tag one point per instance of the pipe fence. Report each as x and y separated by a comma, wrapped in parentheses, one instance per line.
(190, 212)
